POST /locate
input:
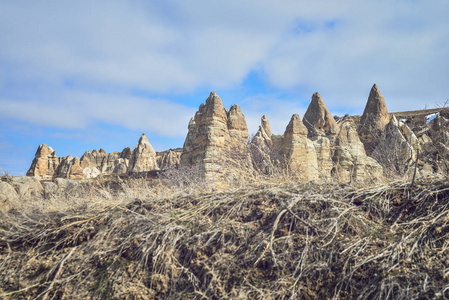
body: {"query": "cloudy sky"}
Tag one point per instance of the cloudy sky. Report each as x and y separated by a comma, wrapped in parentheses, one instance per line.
(81, 75)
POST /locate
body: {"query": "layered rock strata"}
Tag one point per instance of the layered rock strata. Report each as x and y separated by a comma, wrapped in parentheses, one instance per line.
(45, 163)
(216, 139)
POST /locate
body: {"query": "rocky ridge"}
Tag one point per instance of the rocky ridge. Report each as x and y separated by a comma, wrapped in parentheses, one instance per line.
(47, 166)
(316, 148)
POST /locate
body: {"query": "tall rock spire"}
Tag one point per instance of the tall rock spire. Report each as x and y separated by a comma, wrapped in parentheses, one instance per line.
(375, 114)
(374, 119)
(299, 151)
(214, 136)
(266, 126)
(318, 119)
(144, 156)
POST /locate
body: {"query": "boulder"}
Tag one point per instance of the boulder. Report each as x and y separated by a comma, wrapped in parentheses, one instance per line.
(27, 187)
(8, 196)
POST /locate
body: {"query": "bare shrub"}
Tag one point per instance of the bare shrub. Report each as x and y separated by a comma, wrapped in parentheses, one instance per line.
(393, 152)
(184, 177)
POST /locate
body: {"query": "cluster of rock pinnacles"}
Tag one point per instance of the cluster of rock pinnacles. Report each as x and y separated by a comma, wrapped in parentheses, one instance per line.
(316, 148)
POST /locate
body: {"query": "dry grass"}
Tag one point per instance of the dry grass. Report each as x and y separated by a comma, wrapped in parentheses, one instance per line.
(140, 239)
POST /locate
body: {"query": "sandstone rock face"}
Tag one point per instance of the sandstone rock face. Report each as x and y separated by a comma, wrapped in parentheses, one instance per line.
(238, 130)
(169, 159)
(318, 119)
(374, 119)
(214, 135)
(323, 151)
(300, 151)
(65, 167)
(27, 187)
(44, 164)
(8, 196)
(144, 156)
(350, 159)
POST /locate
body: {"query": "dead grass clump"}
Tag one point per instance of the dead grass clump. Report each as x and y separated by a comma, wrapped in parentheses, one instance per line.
(283, 241)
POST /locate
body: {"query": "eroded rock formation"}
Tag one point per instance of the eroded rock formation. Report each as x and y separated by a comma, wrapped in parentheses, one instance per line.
(318, 119)
(45, 163)
(168, 159)
(216, 138)
(299, 150)
(350, 159)
(354, 150)
(374, 119)
(47, 166)
(144, 156)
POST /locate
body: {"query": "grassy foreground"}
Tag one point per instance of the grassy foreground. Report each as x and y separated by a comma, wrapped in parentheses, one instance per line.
(136, 240)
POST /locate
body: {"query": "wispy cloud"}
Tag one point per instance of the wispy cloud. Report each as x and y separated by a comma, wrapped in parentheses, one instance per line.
(80, 110)
(333, 46)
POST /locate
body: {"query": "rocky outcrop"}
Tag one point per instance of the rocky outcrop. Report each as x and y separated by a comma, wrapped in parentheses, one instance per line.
(8, 196)
(27, 187)
(169, 159)
(216, 137)
(374, 119)
(317, 149)
(352, 165)
(299, 151)
(266, 154)
(45, 163)
(263, 136)
(318, 119)
(144, 156)
(323, 149)
(47, 166)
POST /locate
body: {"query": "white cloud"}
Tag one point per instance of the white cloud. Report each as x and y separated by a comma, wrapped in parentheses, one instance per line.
(79, 110)
(402, 46)
(339, 48)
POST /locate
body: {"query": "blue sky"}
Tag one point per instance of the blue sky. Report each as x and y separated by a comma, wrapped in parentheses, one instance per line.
(82, 75)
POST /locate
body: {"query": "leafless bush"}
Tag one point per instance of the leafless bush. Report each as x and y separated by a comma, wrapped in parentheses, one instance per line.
(393, 152)
(183, 177)
(268, 159)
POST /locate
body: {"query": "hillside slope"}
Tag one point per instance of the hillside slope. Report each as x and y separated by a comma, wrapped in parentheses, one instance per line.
(267, 241)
